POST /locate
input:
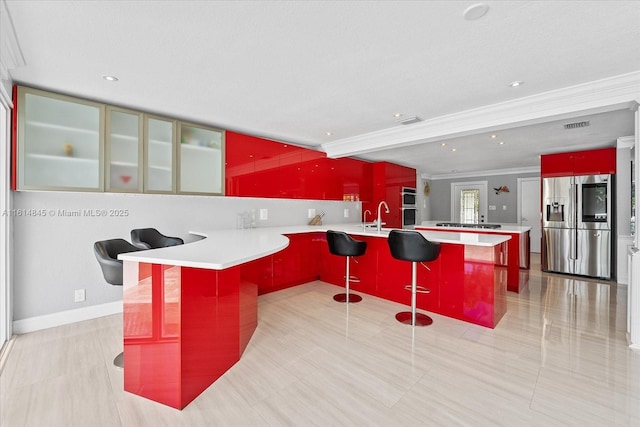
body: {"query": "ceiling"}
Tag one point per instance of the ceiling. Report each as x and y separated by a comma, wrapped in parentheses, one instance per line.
(295, 71)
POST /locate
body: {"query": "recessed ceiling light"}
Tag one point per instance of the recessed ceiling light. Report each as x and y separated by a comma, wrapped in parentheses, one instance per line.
(397, 115)
(453, 149)
(475, 11)
(494, 136)
(501, 143)
(516, 84)
(329, 133)
(444, 144)
(110, 78)
(454, 170)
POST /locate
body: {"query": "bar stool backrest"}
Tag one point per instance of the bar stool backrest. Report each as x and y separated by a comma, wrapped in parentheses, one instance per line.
(412, 246)
(342, 244)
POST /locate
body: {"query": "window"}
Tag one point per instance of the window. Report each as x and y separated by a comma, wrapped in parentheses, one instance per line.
(469, 201)
(469, 205)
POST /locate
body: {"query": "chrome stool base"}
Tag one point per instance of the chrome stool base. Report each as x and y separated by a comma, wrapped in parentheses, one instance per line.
(119, 361)
(421, 319)
(343, 298)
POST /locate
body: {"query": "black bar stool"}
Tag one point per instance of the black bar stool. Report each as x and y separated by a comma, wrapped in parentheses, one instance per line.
(107, 252)
(412, 246)
(150, 238)
(343, 245)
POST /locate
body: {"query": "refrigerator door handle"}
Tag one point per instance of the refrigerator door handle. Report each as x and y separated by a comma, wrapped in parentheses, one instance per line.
(573, 206)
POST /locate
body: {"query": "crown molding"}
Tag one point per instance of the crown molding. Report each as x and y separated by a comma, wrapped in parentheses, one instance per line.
(610, 94)
(494, 172)
(10, 53)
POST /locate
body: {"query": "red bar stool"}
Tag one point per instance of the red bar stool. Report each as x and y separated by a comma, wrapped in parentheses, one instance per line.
(412, 246)
(343, 245)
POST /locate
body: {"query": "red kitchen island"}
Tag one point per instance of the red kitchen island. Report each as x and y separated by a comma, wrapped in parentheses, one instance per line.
(519, 247)
(190, 310)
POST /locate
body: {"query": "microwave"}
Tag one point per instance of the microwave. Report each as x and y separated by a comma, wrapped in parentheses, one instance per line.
(408, 196)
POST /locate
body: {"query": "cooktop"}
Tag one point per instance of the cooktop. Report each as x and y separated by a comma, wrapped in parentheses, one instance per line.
(467, 225)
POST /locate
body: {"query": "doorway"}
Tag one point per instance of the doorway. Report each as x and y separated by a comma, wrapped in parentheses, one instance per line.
(469, 201)
(529, 213)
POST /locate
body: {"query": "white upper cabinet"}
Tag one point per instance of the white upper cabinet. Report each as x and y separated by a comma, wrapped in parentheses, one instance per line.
(60, 142)
(124, 150)
(66, 143)
(160, 156)
(201, 159)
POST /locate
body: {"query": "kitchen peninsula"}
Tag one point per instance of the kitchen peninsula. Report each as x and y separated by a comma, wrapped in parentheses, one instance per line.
(190, 310)
(519, 246)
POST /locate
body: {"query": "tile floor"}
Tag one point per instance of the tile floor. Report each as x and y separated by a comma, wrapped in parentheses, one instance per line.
(559, 357)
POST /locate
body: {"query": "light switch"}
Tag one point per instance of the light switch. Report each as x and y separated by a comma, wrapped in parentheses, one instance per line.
(492, 207)
(346, 213)
(264, 214)
(312, 213)
(504, 207)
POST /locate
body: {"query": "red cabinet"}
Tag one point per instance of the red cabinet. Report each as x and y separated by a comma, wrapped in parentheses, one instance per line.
(296, 264)
(257, 167)
(590, 162)
(388, 180)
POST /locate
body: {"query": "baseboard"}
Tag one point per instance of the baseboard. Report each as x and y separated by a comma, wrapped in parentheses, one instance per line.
(37, 323)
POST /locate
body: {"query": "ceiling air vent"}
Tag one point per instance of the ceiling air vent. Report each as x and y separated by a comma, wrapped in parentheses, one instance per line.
(410, 120)
(576, 125)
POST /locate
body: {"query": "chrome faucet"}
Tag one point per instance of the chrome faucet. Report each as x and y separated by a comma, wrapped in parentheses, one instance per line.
(364, 220)
(379, 213)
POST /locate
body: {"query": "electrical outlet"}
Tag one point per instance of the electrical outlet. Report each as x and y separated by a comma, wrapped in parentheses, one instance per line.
(504, 207)
(78, 295)
(311, 213)
(346, 213)
(264, 214)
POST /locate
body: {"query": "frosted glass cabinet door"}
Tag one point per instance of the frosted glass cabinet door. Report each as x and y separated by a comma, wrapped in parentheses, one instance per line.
(124, 150)
(159, 155)
(201, 160)
(60, 142)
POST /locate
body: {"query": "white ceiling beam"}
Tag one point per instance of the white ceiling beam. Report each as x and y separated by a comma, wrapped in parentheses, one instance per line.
(610, 94)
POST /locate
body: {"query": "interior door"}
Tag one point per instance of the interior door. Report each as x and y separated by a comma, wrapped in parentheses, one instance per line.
(529, 212)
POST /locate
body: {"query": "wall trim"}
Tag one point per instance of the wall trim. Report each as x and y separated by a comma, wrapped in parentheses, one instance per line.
(512, 171)
(66, 317)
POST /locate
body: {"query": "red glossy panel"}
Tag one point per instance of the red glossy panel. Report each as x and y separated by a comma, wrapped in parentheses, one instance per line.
(388, 180)
(589, 162)
(297, 263)
(183, 328)
(260, 273)
(560, 164)
(515, 281)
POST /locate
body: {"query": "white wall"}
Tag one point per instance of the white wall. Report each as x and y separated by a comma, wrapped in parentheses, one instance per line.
(53, 254)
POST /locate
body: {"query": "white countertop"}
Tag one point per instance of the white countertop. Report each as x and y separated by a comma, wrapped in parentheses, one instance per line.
(504, 228)
(222, 249)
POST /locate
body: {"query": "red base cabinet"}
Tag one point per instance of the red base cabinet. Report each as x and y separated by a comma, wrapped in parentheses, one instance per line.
(515, 281)
(296, 264)
(183, 328)
(465, 282)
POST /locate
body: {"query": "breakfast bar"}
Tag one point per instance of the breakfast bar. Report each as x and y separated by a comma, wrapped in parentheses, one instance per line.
(190, 310)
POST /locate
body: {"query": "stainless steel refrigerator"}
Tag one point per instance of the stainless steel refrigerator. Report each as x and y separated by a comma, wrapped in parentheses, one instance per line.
(578, 225)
